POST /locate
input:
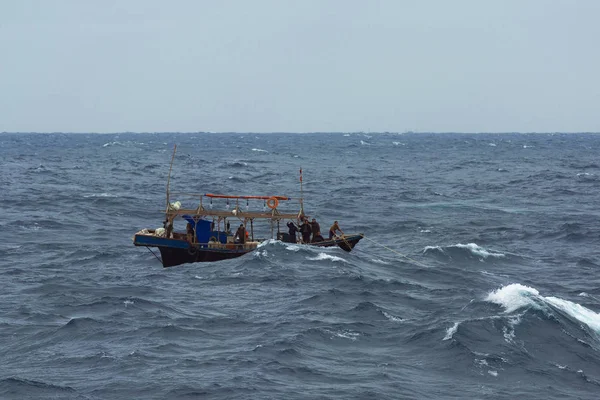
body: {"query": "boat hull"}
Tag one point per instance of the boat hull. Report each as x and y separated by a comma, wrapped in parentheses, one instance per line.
(176, 252)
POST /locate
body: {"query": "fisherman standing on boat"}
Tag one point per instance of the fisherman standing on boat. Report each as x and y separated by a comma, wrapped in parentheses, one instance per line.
(306, 230)
(292, 231)
(240, 235)
(335, 227)
(316, 229)
(190, 232)
(168, 225)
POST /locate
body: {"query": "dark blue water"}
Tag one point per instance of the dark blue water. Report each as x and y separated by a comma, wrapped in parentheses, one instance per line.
(488, 286)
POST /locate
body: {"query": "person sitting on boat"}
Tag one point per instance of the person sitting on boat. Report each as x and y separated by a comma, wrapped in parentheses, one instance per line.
(240, 235)
(306, 230)
(316, 229)
(317, 237)
(292, 231)
(334, 228)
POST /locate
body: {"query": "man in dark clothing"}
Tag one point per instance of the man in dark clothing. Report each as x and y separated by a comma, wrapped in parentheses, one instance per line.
(306, 230)
(316, 229)
(190, 232)
(240, 235)
(292, 231)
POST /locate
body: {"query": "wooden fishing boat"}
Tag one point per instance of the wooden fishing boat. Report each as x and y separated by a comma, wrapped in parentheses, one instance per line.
(208, 235)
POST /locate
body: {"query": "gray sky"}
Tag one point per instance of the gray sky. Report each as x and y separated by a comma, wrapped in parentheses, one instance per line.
(300, 66)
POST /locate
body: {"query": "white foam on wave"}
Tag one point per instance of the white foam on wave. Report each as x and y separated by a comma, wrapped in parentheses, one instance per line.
(577, 311)
(391, 317)
(515, 296)
(323, 256)
(268, 242)
(362, 142)
(34, 227)
(428, 248)
(479, 251)
(293, 247)
(99, 195)
(451, 331)
(344, 334)
(260, 150)
(398, 144)
(493, 373)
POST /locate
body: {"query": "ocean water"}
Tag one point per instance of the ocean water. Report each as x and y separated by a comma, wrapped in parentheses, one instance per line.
(477, 277)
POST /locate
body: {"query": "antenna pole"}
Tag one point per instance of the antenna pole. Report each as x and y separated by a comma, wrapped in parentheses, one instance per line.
(301, 194)
(169, 178)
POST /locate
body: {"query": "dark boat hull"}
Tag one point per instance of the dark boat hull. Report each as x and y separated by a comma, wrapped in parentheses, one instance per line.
(176, 252)
(172, 257)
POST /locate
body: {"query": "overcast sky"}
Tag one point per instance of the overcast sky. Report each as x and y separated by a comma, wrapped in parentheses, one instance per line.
(300, 66)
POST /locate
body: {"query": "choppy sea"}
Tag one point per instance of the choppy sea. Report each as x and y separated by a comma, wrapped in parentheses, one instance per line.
(477, 277)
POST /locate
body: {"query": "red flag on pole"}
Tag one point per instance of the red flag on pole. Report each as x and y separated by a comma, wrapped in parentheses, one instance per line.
(300, 174)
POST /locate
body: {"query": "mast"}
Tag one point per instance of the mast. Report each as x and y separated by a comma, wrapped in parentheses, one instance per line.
(169, 178)
(301, 194)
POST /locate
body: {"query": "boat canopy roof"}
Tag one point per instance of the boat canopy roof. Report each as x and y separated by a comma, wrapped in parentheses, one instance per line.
(226, 196)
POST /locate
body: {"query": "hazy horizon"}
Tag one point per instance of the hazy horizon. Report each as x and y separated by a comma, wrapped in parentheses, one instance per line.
(298, 67)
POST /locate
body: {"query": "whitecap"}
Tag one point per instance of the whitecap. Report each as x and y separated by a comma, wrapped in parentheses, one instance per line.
(515, 296)
(493, 373)
(492, 144)
(451, 331)
(392, 318)
(128, 302)
(323, 256)
(577, 311)
(428, 248)
(479, 251)
(362, 142)
(99, 195)
(260, 150)
(344, 334)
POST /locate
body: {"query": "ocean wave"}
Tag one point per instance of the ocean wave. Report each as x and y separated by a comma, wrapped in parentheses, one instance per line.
(469, 249)
(324, 256)
(16, 387)
(516, 296)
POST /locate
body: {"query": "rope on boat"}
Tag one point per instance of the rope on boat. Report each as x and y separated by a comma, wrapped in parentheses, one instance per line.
(397, 252)
(150, 250)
